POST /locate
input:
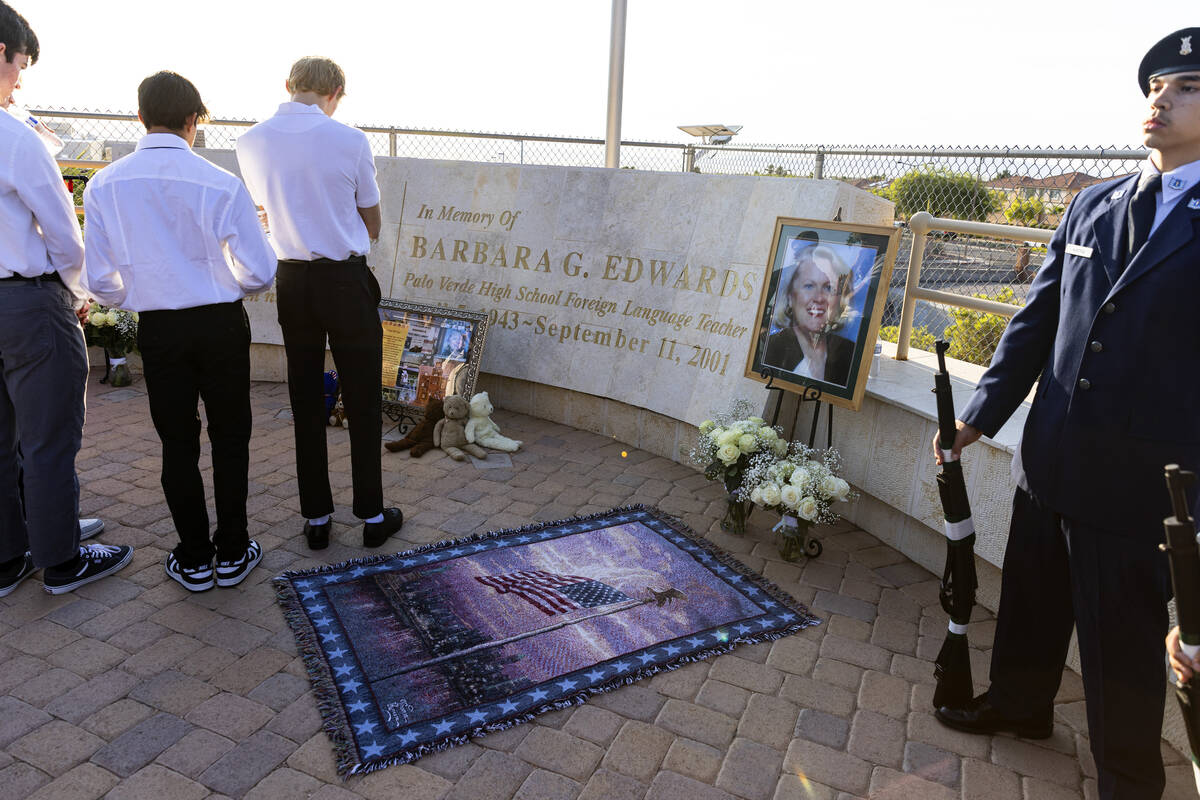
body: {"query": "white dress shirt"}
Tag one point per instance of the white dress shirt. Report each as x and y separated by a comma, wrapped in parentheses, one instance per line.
(311, 174)
(166, 229)
(33, 196)
(1175, 184)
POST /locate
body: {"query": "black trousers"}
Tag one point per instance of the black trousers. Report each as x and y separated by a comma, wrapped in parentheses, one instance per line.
(336, 301)
(1114, 591)
(192, 354)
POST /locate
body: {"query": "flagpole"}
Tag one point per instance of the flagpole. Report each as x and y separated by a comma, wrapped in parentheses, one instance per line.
(616, 85)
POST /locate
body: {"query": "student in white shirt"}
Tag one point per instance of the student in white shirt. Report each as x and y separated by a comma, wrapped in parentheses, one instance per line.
(43, 360)
(316, 180)
(177, 239)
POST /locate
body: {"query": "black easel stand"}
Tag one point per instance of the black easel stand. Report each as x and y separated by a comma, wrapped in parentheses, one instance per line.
(809, 393)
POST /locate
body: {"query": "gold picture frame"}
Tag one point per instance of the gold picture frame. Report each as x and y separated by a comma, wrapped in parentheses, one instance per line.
(820, 307)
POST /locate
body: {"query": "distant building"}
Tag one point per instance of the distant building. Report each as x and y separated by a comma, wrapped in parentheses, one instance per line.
(1054, 192)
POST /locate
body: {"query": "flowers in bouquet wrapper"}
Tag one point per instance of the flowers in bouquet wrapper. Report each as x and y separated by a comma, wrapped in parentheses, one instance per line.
(747, 443)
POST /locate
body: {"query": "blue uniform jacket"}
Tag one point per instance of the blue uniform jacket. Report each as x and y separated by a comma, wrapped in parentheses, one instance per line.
(1119, 358)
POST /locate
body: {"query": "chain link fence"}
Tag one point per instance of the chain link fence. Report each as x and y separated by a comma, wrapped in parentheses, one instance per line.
(1011, 185)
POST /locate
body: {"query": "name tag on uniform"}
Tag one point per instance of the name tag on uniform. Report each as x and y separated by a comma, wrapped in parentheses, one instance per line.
(1079, 250)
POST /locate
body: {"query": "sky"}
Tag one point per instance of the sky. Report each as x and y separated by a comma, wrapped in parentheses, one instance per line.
(938, 72)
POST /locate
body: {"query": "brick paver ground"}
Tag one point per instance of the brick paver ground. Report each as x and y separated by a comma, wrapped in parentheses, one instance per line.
(132, 688)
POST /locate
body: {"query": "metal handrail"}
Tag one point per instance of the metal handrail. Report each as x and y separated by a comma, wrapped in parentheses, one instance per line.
(921, 224)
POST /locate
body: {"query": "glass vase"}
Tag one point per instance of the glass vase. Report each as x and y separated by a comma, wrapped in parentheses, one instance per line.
(736, 513)
(793, 537)
(117, 373)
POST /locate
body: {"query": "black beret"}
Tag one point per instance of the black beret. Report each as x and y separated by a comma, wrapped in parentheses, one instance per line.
(1178, 52)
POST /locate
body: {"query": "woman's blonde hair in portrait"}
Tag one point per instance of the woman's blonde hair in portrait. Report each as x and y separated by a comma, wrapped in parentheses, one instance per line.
(318, 75)
(842, 313)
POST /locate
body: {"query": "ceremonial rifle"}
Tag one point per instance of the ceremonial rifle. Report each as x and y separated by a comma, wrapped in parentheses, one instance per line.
(952, 669)
(1185, 579)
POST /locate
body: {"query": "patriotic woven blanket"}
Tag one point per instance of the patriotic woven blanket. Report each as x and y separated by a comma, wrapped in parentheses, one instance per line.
(415, 652)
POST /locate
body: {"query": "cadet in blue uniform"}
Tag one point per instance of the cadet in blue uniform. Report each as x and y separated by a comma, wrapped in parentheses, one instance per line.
(1109, 326)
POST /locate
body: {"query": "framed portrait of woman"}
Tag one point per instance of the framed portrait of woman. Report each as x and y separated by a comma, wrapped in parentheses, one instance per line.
(822, 300)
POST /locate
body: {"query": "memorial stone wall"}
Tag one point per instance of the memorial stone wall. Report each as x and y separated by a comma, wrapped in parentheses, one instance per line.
(640, 287)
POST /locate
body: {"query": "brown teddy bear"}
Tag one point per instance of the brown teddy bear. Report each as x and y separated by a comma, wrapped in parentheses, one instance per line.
(419, 440)
(450, 432)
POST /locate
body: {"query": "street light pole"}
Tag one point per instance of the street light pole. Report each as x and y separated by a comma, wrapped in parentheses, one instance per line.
(616, 79)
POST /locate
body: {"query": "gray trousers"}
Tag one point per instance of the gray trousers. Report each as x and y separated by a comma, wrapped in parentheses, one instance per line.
(43, 377)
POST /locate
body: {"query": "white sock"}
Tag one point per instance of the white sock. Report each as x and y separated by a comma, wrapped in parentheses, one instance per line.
(376, 518)
(320, 521)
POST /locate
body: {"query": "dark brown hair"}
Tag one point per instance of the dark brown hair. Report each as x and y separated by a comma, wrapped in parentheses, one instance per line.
(168, 99)
(14, 33)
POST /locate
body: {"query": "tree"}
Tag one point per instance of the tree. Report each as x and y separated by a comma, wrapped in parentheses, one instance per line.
(975, 334)
(1028, 211)
(942, 193)
(919, 338)
(774, 171)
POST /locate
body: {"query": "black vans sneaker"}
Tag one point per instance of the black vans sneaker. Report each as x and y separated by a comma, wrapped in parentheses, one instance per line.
(194, 579)
(231, 573)
(94, 562)
(11, 578)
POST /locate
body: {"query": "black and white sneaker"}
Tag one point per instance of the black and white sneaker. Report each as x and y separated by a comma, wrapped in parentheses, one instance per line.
(194, 579)
(89, 528)
(94, 562)
(11, 578)
(231, 573)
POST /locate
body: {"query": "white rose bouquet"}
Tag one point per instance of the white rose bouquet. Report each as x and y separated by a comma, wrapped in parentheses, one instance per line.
(116, 331)
(802, 485)
(111, 328)
(725, 449)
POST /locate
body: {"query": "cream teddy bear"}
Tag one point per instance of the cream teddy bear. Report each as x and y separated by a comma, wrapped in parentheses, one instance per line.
(481, 429)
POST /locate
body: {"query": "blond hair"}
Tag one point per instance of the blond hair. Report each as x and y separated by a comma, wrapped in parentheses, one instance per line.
(842, 312)
(318, 75)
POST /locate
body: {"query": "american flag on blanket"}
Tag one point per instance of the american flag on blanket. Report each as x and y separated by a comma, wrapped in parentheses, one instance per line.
(551, 593)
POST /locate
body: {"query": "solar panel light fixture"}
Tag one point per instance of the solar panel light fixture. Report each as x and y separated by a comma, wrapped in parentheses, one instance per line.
(712, 134)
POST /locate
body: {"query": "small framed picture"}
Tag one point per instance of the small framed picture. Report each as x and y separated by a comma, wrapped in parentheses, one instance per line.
(822, 299)
(428, 352)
